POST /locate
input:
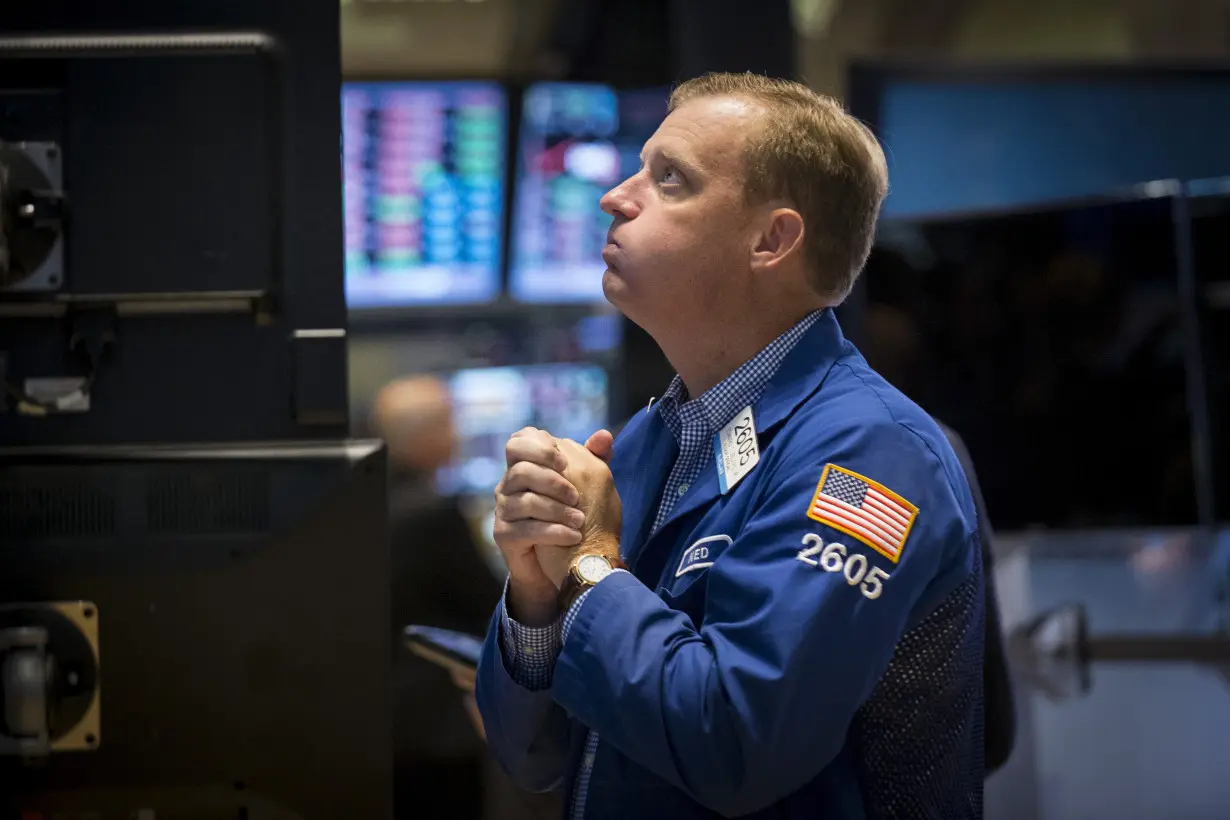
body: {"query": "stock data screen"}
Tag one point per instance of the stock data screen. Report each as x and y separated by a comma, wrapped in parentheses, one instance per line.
(423, 178)
(576, 142)
(491, 403)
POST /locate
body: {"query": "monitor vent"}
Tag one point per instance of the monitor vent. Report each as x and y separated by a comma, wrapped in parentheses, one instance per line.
(219, 503)
(57, 508)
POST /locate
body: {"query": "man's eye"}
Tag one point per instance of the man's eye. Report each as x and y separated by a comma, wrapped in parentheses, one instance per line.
(670, 176)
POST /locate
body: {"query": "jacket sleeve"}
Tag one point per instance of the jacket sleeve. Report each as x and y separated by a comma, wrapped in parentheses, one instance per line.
(800, 622)
(526, 730)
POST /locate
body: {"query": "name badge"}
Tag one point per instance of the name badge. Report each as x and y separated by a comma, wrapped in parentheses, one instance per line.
(701, 554)
(736, 449)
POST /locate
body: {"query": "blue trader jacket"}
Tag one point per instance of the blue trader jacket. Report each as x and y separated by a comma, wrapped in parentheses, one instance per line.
(807, 644)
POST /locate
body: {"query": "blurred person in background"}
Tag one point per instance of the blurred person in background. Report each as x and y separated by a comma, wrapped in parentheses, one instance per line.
(766, 598)
(439, 579)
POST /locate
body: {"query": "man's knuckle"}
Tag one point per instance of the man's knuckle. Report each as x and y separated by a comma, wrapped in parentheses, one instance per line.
(509, 536)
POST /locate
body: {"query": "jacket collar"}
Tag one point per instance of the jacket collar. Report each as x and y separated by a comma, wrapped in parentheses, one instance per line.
(801, 373)
(646, 449)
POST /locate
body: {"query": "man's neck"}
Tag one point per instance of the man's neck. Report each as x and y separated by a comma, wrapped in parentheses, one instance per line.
(703, 363)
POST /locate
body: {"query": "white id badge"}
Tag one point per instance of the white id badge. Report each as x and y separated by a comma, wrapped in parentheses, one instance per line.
(736, 449)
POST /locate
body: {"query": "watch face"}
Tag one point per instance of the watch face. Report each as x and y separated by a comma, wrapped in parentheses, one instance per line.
(593, 568)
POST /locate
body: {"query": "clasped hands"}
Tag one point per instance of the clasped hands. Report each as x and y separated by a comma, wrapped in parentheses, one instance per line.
(557, 500)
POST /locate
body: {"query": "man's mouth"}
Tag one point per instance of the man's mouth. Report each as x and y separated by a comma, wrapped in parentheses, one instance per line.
(610, 254)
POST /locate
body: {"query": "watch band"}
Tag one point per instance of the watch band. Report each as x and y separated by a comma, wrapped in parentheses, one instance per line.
(572, 587)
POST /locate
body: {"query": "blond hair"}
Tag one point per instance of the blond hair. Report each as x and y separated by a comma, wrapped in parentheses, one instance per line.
(817, 157)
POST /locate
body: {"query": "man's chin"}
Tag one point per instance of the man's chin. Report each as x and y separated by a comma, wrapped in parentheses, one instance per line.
(614, 288)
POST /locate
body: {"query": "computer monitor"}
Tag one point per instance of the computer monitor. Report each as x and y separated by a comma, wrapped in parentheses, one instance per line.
(445, 342)
(423, 175)
(963, 136)
(195, 632)
(187, 630)
(576, 142)
(1051, 339)
(570, 400)
(170, 198)
(1209, 206)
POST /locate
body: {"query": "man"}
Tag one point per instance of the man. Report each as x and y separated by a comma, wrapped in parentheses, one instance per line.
(770, 603)
(440, 579)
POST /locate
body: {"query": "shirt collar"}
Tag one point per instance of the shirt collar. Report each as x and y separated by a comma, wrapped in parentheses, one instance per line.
(714, 408)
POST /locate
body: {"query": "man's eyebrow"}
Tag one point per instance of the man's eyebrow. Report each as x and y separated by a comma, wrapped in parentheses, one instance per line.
(672, 159)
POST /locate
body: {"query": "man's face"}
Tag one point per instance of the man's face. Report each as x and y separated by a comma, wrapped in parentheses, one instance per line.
(681, 234)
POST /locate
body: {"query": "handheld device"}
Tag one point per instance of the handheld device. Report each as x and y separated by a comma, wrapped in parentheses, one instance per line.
(445, 647)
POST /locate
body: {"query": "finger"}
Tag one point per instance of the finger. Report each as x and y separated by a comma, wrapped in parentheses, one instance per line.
(601, 444)
(525, 505)
(527, 533)
(579, 458)
(535, 446)
(525, 476)
(572, 451)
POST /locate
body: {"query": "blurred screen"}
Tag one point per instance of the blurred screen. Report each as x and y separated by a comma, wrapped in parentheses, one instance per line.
(973, 142)
(1211, 255)
(452, 341)
(1051, 342)
(491, 403)
(423, 175)
(577, 141)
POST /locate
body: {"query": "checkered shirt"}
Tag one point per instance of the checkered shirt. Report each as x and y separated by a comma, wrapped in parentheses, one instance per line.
(530, 653)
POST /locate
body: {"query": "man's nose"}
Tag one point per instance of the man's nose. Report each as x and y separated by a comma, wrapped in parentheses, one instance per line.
(617, 202)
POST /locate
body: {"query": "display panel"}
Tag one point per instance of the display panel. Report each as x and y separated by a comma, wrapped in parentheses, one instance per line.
(577, 141)
(491, 403)
(1051, 341)
(1210, 211)
(423, 175)
(970, 137)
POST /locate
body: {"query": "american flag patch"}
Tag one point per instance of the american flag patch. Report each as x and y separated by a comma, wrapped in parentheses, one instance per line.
(860, 507)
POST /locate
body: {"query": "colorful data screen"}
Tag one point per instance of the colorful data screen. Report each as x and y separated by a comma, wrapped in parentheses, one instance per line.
(576, 142)
(492, 403)
(423, 175)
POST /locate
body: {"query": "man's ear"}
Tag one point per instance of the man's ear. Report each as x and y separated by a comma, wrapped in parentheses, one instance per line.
(781, 236)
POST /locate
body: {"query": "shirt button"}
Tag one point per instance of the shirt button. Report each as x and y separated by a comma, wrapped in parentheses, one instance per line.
(683, 488)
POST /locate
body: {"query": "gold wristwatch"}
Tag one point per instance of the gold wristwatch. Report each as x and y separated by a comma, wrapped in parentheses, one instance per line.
(585, 573)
